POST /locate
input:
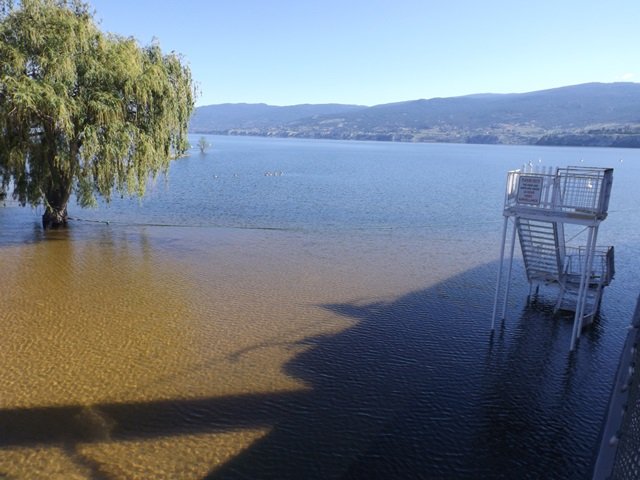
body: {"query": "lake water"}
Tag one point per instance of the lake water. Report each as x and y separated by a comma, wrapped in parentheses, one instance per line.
(283, 308)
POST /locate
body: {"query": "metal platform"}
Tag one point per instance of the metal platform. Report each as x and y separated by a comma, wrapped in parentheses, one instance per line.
(543, 207)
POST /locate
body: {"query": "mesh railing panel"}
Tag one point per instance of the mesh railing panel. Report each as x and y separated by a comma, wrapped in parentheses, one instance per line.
(619, 453)
(580, 190)
(627, 460)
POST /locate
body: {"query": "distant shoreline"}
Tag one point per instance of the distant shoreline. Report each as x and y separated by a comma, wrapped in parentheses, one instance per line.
(612, 140)
(587, 115)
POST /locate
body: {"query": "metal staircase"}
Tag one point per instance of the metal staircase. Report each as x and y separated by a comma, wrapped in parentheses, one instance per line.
(542, 205)
(540, 246)
(548, 260)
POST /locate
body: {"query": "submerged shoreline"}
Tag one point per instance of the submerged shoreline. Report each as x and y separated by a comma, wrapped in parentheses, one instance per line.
(351, 341)
(240, 352)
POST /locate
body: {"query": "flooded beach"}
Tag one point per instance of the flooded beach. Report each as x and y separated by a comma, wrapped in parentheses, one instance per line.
(329, 322)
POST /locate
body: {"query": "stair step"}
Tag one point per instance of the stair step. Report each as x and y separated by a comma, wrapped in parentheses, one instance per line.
(535, 233)
(542, 258)
(536, 228)
(540, 252)
(532, 234)
(542, 265)
(539, 244)
(545, 225)
(539, 238)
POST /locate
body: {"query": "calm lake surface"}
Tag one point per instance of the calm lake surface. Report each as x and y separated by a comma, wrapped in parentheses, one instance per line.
(300, 309)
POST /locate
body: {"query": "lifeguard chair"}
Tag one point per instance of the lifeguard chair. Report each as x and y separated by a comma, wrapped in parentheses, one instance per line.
(546, 207)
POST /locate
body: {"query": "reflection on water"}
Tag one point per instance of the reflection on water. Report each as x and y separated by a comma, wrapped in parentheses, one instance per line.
(161, 352)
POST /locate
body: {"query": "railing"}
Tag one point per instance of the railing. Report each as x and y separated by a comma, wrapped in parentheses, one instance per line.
(618, 457)
(571, 190)
(602, 269)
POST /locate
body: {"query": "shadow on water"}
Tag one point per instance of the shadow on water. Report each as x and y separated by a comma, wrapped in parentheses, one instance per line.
(542, 406)
(417, 388)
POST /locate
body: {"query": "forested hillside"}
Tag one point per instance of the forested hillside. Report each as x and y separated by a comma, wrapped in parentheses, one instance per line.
(594, 114)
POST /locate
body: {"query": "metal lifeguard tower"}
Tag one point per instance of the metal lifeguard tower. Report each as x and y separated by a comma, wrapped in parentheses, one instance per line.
(550, 209)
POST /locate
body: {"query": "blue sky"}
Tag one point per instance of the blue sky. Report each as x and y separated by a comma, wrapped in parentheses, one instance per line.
(368, 52)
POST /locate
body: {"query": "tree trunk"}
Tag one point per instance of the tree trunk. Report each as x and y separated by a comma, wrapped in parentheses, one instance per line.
(59, 172)
(54, 217)
(55, 200)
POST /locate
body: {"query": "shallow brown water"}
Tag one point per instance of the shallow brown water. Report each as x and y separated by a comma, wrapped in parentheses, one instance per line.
(99, 319)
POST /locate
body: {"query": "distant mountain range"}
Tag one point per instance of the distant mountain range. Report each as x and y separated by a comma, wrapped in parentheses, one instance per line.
(592, 114)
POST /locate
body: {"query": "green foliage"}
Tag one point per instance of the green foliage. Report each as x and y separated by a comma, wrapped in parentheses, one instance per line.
(83, 110)
(202, 144)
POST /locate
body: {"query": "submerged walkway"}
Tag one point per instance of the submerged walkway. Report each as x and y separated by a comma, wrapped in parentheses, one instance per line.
(619, 455)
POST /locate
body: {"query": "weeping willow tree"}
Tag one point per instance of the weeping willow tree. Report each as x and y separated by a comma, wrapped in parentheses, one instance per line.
(81, 111)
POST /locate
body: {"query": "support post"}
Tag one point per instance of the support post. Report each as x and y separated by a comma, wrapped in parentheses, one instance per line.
(499, 279)
(508, 288)
(589, 266)
(584, 285)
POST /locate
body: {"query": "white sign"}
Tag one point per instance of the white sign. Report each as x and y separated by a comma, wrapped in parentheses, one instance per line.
(530, 189)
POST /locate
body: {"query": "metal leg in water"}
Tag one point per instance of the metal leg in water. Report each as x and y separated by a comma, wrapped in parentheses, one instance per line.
(499, 279)
(506, 294)
(584, 285)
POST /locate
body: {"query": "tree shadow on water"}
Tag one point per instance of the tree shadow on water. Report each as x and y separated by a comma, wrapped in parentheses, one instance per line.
(419, 388)
(542, 406)
(412, 390)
